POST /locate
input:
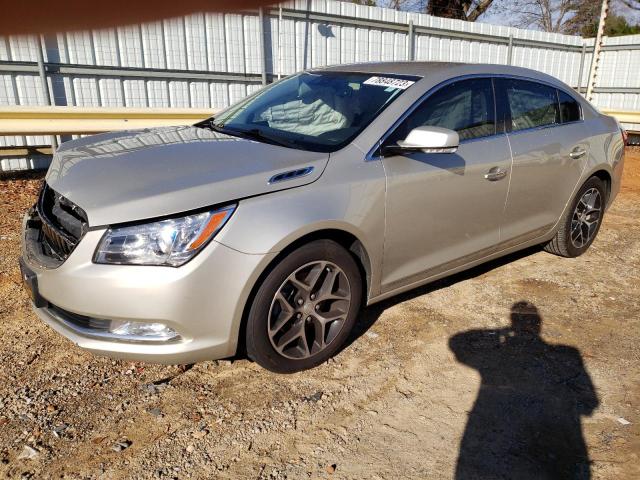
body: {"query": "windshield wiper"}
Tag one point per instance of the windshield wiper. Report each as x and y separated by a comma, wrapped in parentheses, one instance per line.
(257, 134)
(253, 133)
(209, 124)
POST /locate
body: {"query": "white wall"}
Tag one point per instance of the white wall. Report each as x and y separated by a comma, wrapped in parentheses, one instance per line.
(230, 44)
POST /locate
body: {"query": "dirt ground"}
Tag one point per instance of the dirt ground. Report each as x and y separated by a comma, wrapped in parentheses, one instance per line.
(434, 382)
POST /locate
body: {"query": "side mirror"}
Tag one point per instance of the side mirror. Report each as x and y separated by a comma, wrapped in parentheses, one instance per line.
(430, 140)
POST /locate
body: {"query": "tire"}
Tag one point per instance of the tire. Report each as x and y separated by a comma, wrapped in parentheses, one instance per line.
(578, 229)
(305, 308)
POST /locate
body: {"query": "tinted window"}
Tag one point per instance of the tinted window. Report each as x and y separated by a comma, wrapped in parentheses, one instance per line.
(465, 106)
(531, 104)
(569, 108)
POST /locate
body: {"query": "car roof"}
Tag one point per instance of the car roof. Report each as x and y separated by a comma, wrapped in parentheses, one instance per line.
(441, 69)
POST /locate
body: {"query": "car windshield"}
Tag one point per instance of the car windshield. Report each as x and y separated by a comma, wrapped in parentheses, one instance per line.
(318, 111)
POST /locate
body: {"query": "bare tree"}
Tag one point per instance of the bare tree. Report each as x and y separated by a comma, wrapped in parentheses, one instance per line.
(584, 20)
(634, 4)
(468, 10)
(546, 15)
(407, 5)
(575, 17)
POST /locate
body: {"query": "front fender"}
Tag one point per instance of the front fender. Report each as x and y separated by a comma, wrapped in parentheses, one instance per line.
(270, 223)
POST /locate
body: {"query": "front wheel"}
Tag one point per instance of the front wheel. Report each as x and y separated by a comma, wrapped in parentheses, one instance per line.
(305, 309)
(581, 222)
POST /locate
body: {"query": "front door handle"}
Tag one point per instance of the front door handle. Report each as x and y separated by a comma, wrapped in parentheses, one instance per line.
(496, 173)
(577, 152)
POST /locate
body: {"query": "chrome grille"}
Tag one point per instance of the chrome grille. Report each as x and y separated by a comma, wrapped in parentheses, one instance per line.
(62, 223)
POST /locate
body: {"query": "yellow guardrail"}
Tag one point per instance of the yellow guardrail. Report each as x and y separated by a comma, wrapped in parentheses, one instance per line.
(85, 120)
(82, 120)
(624, 116)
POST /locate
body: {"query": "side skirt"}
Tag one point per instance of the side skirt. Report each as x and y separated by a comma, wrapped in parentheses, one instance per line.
(466, 263)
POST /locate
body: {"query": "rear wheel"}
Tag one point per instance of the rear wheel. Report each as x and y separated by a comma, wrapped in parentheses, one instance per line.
(305, 308)
(581, 222)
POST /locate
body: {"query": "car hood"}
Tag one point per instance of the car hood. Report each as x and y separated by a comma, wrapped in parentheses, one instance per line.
(134, 175)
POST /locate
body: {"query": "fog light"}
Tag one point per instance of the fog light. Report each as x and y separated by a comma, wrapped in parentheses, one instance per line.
(142, 331)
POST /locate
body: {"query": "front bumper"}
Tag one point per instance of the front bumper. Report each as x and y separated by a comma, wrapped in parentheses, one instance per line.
(203, 301)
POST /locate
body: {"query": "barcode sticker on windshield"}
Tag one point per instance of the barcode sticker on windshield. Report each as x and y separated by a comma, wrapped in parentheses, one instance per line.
(400, 83)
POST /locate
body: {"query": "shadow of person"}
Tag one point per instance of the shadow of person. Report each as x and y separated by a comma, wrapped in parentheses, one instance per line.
(525, 423)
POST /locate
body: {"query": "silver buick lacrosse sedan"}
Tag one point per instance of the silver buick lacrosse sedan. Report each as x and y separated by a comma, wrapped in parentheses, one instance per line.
(267, 227)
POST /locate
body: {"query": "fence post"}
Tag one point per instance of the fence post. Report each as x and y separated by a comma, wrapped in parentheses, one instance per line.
(583, 55)
(510, 50)
(595, 59)
(45, 85)
(263, 55)
(410, 42)
(279, 41)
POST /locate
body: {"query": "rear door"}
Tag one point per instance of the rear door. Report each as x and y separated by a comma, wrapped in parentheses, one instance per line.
(445, 209)
(549, 145)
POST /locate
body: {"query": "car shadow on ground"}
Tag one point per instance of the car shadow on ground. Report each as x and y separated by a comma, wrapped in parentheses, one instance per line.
(371, 314)
(23, 175)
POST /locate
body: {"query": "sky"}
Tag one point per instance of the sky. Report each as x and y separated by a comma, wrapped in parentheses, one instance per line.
(496, 15)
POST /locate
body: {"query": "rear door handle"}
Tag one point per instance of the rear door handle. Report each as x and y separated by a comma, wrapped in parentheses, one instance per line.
(496, 173)
(577, 152)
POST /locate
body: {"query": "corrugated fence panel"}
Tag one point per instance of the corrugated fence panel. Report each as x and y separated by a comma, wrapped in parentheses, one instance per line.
(131, 50)
(153, 49)
(175, 44)
(251, 40)
(215, 42)
(195, 32)
(135, 93)
(223, 52)
(235, 43)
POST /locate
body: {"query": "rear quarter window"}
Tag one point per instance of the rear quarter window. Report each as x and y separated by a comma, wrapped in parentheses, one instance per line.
(569, 108)
(531, 104)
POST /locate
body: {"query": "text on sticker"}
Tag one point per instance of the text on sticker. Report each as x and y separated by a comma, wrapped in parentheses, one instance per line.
(400, 83)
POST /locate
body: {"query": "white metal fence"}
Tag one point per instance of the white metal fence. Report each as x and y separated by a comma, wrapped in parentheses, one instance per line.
(212, 60)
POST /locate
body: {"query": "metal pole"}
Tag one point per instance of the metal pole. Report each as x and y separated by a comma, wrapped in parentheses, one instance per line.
(45, 85)
(410, 42)
(583, 55)
(510, 50)
(279, 41)
(593, 71)
(263, 55)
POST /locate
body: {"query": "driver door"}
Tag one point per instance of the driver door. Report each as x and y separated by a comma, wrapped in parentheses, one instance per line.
(444, 209)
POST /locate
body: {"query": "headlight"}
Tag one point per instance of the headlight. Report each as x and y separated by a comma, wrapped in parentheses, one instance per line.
(169, 242)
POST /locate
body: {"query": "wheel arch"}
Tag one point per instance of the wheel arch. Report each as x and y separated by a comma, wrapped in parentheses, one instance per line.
(346, 239)
(606, 178)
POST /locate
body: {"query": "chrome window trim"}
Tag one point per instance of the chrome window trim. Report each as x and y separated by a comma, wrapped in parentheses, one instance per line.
(478, 139)
(543, 127)
(370, 156)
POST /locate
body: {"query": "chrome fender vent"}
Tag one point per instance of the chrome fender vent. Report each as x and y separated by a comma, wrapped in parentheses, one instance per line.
(290, 175)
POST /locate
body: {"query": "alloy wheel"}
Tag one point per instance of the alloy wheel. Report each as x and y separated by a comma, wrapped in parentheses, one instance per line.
(309, 310)
(586, 218)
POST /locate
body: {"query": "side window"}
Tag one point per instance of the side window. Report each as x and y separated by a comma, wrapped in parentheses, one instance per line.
(569, 108)
(532, 104)
(466, 106)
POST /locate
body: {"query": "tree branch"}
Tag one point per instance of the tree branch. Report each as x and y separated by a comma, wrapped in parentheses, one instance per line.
(481, 7)
(634, 4)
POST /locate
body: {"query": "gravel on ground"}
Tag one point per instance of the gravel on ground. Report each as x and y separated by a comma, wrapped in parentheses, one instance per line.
(433, 382)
